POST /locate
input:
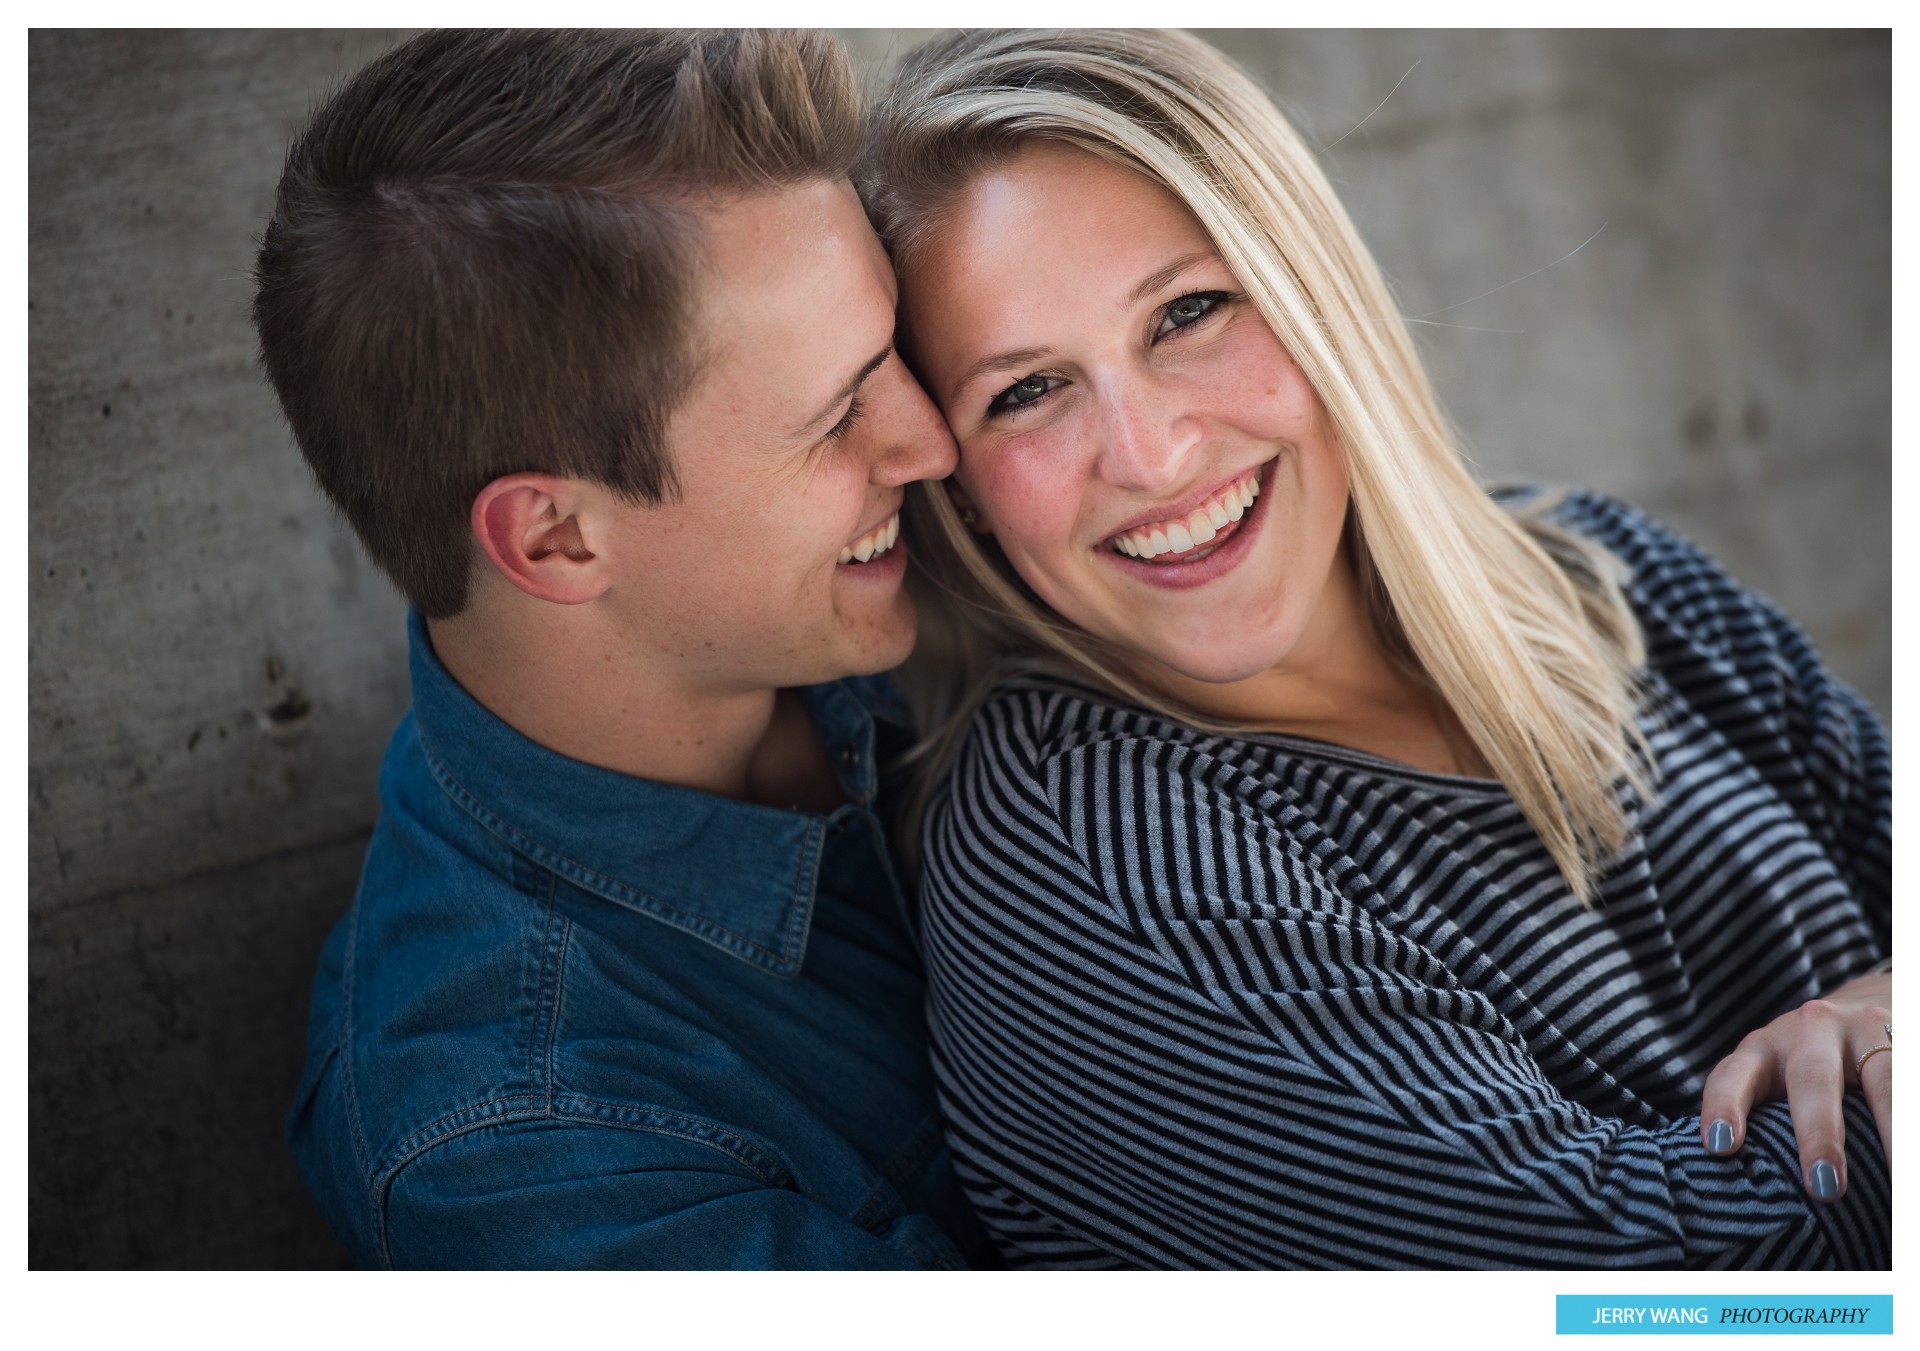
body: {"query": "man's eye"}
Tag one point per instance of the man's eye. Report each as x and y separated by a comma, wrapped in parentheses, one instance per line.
(1029, 389)
(845, 424)
(1189, 310)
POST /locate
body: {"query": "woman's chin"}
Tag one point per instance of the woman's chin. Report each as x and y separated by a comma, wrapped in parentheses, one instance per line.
(1215, 668)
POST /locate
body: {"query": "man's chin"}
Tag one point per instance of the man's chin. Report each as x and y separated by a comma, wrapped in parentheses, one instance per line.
(886, 644)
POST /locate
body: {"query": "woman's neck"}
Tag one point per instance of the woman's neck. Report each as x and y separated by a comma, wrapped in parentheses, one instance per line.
(1341, 684)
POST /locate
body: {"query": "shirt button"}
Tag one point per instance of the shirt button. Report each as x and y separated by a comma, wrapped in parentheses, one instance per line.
(850, 758)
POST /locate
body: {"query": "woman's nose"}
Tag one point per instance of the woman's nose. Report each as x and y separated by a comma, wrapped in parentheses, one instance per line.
(1148, 438)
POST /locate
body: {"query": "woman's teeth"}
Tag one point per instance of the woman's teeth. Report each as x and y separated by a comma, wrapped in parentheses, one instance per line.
(1183, 535)
(874, 543)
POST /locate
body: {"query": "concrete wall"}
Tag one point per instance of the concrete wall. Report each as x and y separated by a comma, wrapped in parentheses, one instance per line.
(214, 670)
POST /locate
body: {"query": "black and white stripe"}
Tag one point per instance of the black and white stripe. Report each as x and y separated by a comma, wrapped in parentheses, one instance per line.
(1256, 1001)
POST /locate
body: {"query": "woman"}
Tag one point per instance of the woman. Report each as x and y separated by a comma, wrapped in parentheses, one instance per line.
(1329, 864)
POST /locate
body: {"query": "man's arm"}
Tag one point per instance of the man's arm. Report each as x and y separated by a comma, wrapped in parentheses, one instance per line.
(562, 1194)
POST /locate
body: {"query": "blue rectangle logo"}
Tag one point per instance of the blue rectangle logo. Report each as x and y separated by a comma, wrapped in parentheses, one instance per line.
(1666, 1315)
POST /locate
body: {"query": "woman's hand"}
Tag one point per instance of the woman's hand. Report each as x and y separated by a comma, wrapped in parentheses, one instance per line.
(1809, 1057)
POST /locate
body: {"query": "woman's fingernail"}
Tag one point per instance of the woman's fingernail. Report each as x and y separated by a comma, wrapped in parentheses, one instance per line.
(1826, 1181)
(1720, 1138)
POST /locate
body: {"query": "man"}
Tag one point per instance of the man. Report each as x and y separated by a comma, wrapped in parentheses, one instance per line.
(589, 338)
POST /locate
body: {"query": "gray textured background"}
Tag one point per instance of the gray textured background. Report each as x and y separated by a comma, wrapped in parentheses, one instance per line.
(214, 671)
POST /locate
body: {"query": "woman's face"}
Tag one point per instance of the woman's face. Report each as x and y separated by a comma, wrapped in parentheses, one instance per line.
(1143, 448)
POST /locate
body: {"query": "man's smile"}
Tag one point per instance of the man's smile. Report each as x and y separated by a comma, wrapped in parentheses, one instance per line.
(875, 542)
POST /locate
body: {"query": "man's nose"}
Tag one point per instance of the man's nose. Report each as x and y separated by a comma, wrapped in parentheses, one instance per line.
(914, 441)
(1148, 438)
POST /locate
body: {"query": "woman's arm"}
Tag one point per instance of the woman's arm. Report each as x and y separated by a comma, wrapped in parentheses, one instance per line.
(1838, 761)
(1168, 1029)
(1827, 754)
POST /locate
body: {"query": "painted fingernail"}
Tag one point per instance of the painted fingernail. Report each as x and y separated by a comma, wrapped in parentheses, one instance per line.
(1720, 1138)
(1826, 1181)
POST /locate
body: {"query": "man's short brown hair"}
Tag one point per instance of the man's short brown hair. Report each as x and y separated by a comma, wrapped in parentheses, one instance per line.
(482, 257)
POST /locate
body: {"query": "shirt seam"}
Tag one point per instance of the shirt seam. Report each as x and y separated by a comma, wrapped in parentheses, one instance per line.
(349, 1091)
(702, 925)
(766, 1166)
(548, 992)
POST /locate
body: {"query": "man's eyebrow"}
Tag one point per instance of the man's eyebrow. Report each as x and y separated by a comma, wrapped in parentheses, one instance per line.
(874, 363)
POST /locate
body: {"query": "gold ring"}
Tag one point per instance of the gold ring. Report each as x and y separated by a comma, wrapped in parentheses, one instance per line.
(1859, 1064)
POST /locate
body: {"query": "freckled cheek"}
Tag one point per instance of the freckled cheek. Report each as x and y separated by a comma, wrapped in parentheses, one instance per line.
(1032, 496)
(835, 510)
(1264, 394)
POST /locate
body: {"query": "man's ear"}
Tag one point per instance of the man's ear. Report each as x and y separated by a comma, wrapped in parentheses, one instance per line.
(527, 524)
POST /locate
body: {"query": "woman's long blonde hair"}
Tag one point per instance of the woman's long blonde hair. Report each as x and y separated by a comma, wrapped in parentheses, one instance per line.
(1520, 627)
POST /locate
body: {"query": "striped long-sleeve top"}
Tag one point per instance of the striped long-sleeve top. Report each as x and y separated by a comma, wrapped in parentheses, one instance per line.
(1257, 1001)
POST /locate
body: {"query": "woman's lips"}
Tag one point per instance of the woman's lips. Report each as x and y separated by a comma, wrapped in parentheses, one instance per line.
(1180, 569)
(1183, 532)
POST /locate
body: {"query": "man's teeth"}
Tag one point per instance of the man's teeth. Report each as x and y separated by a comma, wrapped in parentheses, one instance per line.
(1181, 536)
(875, 542)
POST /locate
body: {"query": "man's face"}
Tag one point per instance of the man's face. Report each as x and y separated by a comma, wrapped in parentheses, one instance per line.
(791, 455)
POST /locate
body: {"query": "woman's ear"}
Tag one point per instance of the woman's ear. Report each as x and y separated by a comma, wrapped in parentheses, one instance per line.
(529, 529)
(970, 515)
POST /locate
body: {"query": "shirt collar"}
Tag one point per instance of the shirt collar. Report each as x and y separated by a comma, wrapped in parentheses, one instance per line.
(738, 875)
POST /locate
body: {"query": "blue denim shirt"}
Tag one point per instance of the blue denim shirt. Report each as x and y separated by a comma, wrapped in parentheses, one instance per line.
(579, 1019)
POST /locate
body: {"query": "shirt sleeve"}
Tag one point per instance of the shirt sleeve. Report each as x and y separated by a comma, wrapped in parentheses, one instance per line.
(555, 1194)
(1842, 765)
(1819, 744)
(1188, 1046)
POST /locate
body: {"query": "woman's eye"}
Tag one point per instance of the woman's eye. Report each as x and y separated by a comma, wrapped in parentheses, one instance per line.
(1028, 389)
(1189, 310)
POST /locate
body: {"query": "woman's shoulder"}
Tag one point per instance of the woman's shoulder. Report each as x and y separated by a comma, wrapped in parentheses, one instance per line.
(1048, 716)
(1671, 583)
(1643, 544)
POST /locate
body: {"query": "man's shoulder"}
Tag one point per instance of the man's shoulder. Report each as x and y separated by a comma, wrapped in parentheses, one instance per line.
(453, 1000)
(422, 995)
(456, 991)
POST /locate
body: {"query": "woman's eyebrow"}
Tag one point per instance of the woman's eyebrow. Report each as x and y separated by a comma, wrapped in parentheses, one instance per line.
(1019, 356)
(1025, 355)
(1154, 281)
